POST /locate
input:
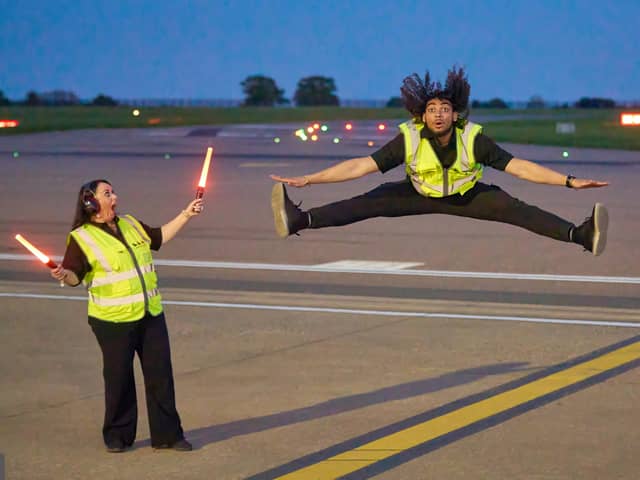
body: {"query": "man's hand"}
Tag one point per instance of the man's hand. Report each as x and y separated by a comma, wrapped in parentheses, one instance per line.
(579, 183)
(297, 182)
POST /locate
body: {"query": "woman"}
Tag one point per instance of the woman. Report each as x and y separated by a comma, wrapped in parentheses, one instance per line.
(111, 255)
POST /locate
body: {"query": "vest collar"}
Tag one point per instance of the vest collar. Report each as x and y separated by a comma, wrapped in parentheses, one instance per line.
(428, 134)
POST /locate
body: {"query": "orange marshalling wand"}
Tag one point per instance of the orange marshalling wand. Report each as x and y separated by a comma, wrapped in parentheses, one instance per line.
(41, 256)
(203, 176)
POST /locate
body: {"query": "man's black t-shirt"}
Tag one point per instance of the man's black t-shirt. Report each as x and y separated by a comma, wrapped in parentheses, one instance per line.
(485, 150)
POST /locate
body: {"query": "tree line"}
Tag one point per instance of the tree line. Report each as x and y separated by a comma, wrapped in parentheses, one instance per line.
(263, 91)
(57, 97)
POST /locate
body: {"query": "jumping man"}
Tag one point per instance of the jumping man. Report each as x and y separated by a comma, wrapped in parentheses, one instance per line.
(443, 155)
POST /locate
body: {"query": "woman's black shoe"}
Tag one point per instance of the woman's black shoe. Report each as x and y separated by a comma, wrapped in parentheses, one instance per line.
(116, 446)
(181, 445)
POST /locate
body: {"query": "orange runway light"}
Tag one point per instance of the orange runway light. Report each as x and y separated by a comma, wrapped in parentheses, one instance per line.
(203, 175)
(9, 123)
(630, 118)
(41, 256)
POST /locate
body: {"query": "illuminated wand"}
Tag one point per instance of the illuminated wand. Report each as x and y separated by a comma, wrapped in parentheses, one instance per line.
(41, 256)
(203, 176)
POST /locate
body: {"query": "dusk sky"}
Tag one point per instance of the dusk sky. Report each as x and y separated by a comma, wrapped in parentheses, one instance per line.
(561, 50)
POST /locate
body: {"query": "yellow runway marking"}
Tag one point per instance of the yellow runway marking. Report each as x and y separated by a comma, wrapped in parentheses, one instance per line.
(382, 448)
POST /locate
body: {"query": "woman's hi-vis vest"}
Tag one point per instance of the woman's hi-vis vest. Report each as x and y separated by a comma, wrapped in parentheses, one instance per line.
(427, 174)
(122, 282)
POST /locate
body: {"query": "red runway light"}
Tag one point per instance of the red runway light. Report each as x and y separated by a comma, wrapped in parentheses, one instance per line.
(348, 126)
(629, 118)
(9, 123)
(381, 126)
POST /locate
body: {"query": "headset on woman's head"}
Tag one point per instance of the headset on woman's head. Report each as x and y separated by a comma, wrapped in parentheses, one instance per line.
(90, 203)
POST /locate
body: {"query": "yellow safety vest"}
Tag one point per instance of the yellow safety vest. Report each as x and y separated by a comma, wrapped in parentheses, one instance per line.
(122, 282)
(427, 174)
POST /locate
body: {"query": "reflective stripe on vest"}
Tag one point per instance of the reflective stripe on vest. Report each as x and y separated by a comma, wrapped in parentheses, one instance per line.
(118, 277)
(96, 250)
(138, 227)
(425, 170)
(112, 302)
(122, 282)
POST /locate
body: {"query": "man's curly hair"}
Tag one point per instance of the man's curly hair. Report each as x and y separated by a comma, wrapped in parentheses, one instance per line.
(416, 93)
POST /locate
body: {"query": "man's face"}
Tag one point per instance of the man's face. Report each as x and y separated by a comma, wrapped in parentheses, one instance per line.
(439, 116)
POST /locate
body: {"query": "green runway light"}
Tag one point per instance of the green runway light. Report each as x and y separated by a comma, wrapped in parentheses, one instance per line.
(565, 154)
(276, 140)
(324, 128)
(167, 156)
(336, 140)
(16, 154)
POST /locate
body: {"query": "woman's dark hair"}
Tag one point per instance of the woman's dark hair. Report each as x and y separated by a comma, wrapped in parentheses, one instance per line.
(83, 215)
(416, 93)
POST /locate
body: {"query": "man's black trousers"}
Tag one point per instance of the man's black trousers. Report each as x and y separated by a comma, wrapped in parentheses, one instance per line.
(399, 199)
(119, 342)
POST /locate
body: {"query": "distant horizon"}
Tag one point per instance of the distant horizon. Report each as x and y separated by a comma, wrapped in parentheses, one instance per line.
(349, 100)
(233, 101)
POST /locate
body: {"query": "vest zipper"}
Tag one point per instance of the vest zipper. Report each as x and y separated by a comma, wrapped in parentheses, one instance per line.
(144, 286)
(135, 264)
(445, 181)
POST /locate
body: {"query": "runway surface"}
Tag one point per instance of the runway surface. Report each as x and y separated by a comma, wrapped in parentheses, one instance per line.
(407, 348)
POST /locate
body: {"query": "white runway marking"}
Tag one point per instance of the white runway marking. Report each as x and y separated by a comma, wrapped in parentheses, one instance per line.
(379, 271)
(367, 265)
(347, 311)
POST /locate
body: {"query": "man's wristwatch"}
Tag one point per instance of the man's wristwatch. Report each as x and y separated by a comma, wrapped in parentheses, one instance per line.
(567, 182)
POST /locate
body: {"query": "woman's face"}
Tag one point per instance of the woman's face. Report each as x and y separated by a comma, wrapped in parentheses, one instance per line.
(439, 116)
(108, 201)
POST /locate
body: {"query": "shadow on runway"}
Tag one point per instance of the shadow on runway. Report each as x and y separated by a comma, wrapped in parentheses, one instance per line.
(216, 433)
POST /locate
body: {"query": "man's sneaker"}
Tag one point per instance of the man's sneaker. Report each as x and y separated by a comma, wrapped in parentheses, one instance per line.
(181, 445)
(592, 233)
(287, 217)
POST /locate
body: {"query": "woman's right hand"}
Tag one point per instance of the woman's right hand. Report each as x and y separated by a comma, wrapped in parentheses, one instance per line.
(59, 273)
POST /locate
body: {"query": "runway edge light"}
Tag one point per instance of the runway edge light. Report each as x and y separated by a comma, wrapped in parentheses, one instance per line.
(630, 119)
(9, 123)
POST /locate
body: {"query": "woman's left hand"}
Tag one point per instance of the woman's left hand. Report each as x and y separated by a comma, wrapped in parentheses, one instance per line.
(194, 208)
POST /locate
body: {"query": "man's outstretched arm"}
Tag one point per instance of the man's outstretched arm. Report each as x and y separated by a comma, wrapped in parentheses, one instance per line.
(527, 170)
(340, 172)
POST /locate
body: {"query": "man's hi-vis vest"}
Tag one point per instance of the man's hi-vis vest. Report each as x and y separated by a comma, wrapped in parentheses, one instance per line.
(122, 282)
(427, 174)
